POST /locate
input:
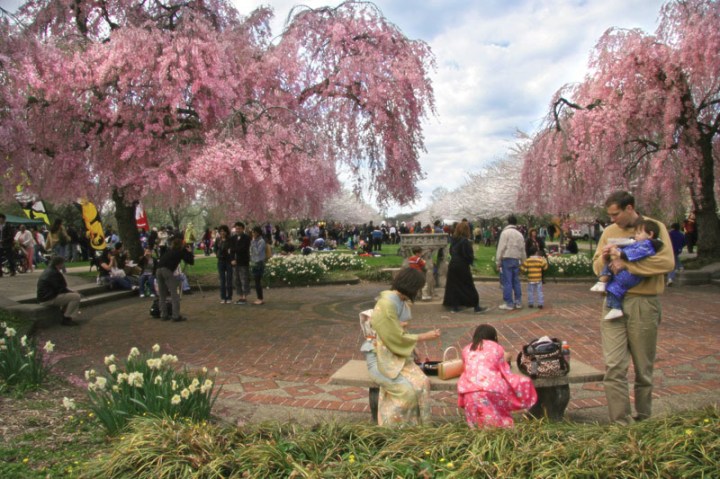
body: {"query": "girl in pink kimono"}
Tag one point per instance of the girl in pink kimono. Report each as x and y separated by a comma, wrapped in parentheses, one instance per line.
(487, 390)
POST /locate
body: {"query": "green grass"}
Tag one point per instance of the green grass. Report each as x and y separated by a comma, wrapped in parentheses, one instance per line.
(42, 440)
(685, 445)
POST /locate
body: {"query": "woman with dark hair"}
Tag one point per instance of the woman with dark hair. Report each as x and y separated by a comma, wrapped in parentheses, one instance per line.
(404, 388)
(460, 291)
(487, 390)
(534, 240)
(58, 239)
(257, 262)
(224, 254)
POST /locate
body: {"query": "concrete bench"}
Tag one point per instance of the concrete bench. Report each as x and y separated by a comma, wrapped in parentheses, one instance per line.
(553, 393)
(392, 271)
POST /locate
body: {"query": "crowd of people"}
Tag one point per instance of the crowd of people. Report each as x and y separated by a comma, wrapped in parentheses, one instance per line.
(633, 256)
(487, 389)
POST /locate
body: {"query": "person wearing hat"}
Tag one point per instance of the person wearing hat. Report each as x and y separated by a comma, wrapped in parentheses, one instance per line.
(52, 290)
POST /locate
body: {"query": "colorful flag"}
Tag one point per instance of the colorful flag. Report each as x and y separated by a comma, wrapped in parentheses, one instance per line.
(93, 224)
(33, 208)
(141, 220)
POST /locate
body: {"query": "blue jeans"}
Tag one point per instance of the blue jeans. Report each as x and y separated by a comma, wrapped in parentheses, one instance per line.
(147, 279)
(225, 271)
(678, 265)
(533, 290)
(510, 279)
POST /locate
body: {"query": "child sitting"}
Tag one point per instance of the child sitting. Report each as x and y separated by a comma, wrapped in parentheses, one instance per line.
(415, 261)
(534, 267)
(616, 285)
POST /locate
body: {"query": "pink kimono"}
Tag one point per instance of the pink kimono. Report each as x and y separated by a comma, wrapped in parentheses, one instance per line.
(488, 390)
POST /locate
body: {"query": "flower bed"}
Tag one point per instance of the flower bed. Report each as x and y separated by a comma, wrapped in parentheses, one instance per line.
(569, 265)
(300, 270)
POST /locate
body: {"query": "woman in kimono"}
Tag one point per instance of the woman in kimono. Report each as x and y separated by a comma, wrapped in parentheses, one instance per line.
(487, 390)
(404, 388)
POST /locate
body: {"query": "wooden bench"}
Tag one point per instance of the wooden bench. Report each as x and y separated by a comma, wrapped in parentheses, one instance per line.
(553, 393)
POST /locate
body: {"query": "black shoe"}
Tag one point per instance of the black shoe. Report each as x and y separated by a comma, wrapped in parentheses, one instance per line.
(68, 322)
(532, 306)
(189, 291)
(480, 309)
(540, 306)
(179, 318)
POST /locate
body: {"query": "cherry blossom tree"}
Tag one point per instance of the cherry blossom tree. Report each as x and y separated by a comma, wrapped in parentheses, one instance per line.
(346, 207)
(188, 99)
(489, 193)
(646, 119)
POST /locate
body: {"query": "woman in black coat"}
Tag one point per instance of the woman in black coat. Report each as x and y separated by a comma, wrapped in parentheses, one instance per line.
(460, 291)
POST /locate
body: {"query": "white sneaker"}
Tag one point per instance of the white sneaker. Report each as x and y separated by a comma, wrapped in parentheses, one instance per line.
(598, 287)
(518, 306)
(613, 314)
(142, 295)
(505, 307)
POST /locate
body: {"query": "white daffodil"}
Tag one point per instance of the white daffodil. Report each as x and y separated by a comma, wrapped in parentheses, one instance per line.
(68, 403)
(49, 347)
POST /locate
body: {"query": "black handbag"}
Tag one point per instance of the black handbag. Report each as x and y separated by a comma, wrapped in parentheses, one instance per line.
(543, 358)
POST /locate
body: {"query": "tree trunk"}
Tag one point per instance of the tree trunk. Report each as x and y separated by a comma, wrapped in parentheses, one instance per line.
(127, 227)
(706, 218)
(175, 218)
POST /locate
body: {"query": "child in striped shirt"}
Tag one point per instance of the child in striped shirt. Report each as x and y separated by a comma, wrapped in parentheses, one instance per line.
(534, 267)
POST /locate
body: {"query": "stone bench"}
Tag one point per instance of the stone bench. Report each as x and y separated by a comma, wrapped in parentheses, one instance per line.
(392, 271)
(553, 393)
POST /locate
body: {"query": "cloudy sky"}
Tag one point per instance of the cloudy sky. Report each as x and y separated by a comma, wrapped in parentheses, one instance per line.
(498, 64)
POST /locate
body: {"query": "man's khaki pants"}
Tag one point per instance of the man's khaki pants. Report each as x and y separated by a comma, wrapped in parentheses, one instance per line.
(632, 336)
(68, 302)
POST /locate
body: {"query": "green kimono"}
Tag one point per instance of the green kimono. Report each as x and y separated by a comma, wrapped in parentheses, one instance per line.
(404, 395)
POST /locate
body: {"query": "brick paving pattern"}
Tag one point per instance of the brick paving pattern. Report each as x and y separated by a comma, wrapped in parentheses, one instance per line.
(281, 355)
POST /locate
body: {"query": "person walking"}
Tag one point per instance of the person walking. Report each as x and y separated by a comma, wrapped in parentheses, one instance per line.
(510, 254)
(633, 336)
(460, 291)
(25, 239)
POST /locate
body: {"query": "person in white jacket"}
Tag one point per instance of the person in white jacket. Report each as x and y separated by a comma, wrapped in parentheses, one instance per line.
(510, 254)
(27, 243)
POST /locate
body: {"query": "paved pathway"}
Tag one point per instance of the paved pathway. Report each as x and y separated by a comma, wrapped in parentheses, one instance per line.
(275, 360)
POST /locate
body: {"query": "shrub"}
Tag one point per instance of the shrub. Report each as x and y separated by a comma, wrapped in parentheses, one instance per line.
(570, 265)
(685, 445)
(21, 362)
(148, 385)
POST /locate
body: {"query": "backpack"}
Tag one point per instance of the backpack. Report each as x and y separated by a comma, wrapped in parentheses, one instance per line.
(155, 308)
